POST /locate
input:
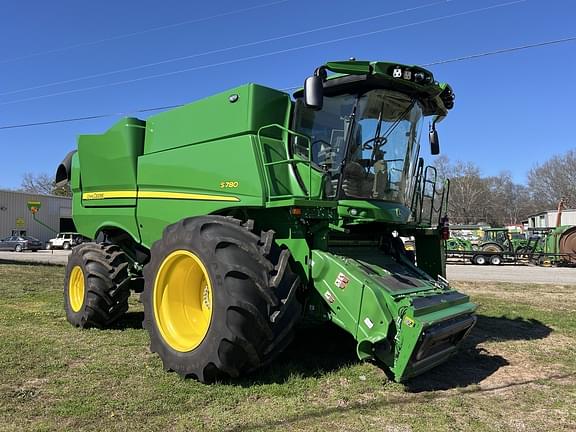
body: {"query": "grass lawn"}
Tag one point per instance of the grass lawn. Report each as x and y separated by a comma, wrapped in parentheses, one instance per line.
(517, 372)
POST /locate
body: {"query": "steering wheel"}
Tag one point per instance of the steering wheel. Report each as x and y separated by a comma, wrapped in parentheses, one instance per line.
(378, 141)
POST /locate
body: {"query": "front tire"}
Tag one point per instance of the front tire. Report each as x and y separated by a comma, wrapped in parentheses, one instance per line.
(218, 300)
(96, 288)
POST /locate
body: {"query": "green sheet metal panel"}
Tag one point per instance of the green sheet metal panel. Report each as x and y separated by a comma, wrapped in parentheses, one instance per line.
(197, 180)
(238, 111)
(109, 163)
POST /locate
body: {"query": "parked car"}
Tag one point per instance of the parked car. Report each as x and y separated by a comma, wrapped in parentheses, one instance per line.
(66, 240)
(20, 243)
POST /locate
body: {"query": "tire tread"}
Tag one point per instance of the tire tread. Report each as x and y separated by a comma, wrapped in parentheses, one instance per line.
(259, 288)
(107, 284)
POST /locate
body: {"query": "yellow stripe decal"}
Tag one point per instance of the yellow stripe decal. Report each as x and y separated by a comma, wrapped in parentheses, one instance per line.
(186, 196)
(155, 194)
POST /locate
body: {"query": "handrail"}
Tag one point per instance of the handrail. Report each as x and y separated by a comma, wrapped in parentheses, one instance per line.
(432, 196)
(288, 160)
(424, 179)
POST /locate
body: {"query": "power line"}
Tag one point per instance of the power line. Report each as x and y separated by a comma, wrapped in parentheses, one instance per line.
(141, 32)
(225, 49)
(501, 51)
(91, 117)
(469, 57)
(484, 54)
(267, 54)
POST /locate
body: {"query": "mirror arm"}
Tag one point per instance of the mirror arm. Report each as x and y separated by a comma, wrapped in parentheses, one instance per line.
(321, 72)
(437, 119)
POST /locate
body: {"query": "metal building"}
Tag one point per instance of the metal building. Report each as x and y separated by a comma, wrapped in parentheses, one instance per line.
(547, 218)
(41, 216)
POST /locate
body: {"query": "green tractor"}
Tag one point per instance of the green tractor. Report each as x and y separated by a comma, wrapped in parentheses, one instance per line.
(501, 240)
(240, 215)
(499, 244)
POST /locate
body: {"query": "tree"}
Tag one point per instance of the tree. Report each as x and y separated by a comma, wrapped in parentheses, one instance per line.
(496, 200)
(469, 195)
(553, 180)
(43, 184)
(509, 203)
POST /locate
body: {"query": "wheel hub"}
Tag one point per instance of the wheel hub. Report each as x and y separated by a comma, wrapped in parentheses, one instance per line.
(182, 300)
(76, 289)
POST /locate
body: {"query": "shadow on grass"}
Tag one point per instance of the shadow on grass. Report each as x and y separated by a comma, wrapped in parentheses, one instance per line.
(501, 329)
(318, 351)
(314, 352)
(322, 349)
(130, 320)
(473, 364)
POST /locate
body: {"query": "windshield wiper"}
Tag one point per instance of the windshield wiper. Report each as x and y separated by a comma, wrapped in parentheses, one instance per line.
(347, 142)
(384, 139)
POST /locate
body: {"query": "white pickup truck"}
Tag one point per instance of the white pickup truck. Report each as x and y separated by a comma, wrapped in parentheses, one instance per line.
(66, 240)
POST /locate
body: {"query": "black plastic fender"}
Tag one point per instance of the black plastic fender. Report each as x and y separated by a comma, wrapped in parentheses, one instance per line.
(64, 171)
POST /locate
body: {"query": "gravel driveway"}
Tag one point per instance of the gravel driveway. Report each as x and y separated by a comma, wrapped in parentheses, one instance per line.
(42, 256)
(511, 273)
(456, 272)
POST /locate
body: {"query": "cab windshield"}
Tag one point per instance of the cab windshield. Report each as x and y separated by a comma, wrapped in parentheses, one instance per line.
(365, 143)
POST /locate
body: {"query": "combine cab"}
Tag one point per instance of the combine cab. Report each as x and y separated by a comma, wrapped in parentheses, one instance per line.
(239, 215)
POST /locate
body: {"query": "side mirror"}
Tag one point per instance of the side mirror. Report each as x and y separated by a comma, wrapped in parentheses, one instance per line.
(434, 140)
(314, 92)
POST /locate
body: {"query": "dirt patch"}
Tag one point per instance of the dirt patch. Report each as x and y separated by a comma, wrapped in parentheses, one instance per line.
(30, 389)
(524, 362)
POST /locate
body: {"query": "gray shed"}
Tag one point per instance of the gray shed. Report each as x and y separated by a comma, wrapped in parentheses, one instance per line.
(54, 214)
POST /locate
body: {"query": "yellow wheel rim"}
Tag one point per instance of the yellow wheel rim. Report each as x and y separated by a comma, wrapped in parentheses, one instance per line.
(76, 289)
(182, 300)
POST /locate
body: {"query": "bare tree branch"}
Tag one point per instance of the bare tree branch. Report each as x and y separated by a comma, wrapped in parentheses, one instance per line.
(43, 184)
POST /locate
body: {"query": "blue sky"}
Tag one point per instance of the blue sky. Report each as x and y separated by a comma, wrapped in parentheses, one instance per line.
(512, 111)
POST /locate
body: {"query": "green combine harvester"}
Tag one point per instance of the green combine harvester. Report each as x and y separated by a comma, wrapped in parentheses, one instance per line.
(239, 215)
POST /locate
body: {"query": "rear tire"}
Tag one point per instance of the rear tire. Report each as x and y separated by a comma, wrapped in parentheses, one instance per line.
(66, 246)
(18, 248)
(479, 259)
(495, 260)
(492, 247)
(96, 288)
(246, 298)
